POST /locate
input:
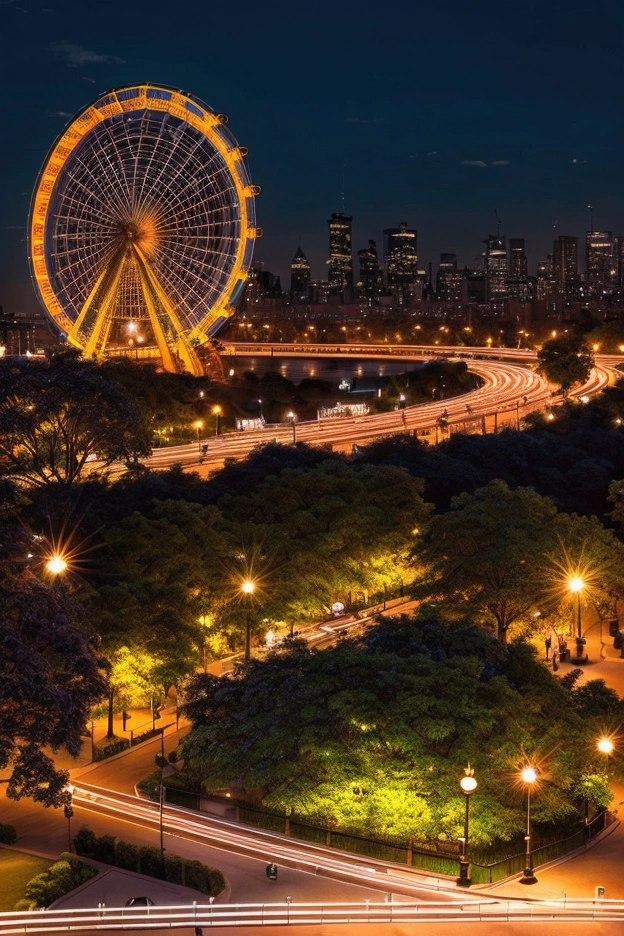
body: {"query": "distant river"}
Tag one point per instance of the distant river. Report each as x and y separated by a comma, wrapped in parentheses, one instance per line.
(332, 370)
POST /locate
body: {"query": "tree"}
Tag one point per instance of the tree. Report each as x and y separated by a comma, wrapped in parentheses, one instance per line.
(372, 735)
(55, 416)
(566, 360)
(485, 557)
(51, 676)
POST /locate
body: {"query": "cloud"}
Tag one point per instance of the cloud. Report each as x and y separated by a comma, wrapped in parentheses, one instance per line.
(75, 55)
(90, 80)
(62, 114)
(432, 153)
(362, 120)
(480, 164)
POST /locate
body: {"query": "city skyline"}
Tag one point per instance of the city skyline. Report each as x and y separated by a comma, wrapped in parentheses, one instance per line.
(401, 117)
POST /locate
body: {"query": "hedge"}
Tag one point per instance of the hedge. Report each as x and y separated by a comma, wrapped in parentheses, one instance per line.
(147, 860)
(8, 835)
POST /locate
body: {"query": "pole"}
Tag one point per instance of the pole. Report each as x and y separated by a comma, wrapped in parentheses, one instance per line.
(464, 880)
(198, 441)
(528, 876)
(247, 639)
(294, 430)
(160, 809)
(92, 741)
(578, 615)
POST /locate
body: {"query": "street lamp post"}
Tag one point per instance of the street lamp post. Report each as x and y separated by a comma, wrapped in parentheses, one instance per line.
(248, 588)
(529, 776)
(576, 586)
(261, 415)
(292, 418)
(69, 812)
(199, 426)
(216, 412)
(468, 785)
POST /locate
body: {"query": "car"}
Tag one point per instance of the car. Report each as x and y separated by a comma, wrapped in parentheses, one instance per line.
(140, 902)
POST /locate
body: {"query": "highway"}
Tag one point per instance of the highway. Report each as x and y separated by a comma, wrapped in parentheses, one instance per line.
(511, 389)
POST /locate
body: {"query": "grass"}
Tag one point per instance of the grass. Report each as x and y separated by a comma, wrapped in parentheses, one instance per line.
(16, 870)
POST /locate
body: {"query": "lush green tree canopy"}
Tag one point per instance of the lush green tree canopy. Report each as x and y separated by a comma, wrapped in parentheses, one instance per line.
(500, 556)
(54, 416)
(51, 676)
(374, 735)
(566, 360)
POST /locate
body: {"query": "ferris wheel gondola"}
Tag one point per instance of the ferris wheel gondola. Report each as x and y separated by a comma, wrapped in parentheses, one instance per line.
(143, 225)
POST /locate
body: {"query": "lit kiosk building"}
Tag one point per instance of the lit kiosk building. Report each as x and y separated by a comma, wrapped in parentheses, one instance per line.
(340, 263)
(401, 259)
(599, 264)
(565, 266)
(300, 278)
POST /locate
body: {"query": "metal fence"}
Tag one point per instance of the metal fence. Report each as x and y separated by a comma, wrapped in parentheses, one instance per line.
(399, 851)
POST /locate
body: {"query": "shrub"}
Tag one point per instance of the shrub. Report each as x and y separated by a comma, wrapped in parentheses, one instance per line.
(101, 753)
(174, 869)
(150, 862)
(60, 878)
(105, 849)
(8, 835)
(127, 856)
(84, 842)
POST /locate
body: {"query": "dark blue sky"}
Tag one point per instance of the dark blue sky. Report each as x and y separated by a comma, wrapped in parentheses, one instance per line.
(440, 112)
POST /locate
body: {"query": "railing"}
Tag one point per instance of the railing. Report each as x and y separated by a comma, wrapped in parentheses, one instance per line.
(288, 913)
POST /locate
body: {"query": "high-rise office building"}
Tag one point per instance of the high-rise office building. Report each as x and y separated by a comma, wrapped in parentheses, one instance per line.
(518, 267)
(618, 262)
(546, 283)
(600, 271)
(401, 259)
(300, 277)
(449, 279)
(370, 272)
(340, 263)
(519, 286)
(565, 265)
(495, 258)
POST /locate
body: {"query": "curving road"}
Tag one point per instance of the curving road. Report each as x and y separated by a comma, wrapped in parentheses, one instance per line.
(511, 389)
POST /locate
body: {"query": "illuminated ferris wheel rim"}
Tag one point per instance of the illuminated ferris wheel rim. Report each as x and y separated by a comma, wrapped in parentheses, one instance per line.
(157, 101)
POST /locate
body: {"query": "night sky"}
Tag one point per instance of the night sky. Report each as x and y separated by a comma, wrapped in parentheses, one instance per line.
(437, 114)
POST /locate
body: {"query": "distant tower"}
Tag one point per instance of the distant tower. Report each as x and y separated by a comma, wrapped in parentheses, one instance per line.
(300, 277)
(565, 265)
(519, 286)
(449, 279)
(495, 268)
(599, 262)
(340, 263)
(546, 285)
(401, 258)
(370, 274)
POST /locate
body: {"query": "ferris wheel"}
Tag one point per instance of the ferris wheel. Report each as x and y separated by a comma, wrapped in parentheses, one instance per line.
(142, 226)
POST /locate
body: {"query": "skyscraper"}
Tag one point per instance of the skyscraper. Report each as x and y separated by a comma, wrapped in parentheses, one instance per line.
(518, 269)
(495, 268)
(546, 285)
(370, 274)
(565, 266)
(300, 276)
(599, 263)
(401, 258)
(449, 279)
(340, 263)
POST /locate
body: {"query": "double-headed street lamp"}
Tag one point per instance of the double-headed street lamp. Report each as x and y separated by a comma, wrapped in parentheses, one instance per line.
(248, 588)
(529, 776)
(576, 586)
(468, 785)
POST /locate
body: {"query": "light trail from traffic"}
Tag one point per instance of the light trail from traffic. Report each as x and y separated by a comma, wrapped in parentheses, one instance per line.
(511, 389)
(310, 914)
